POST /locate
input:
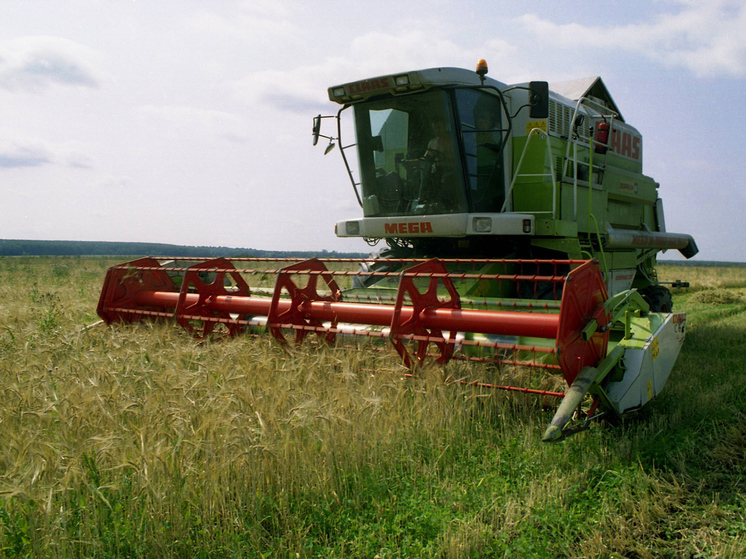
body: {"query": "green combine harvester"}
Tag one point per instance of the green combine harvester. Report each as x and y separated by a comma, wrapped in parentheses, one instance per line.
(517, 227)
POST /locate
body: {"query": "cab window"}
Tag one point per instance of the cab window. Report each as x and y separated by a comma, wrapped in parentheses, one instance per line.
(480, 117)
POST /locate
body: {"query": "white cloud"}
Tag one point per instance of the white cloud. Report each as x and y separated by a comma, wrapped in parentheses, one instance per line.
(245, 29)
(13, 155)
(35, 153)
(191, 122)
(302, 89)
(36, 63)
(409, 48)
(704, 37)
(186, 116)
(297, 91)
(269, 9)
(79, 161)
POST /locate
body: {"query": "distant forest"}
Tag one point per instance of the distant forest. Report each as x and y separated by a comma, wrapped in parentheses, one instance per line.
(14, 247)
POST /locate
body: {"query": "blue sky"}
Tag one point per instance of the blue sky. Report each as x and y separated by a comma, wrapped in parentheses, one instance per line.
(188, 121)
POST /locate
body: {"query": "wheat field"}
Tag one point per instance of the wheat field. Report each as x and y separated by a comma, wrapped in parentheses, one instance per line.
(140, 441)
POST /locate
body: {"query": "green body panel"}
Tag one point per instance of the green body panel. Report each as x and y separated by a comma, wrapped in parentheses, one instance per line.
(640, 328)
(620, 196)
(573, 213)
(446, 156)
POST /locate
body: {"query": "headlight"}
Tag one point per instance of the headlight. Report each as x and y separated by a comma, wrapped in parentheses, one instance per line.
(401, 80)
(482, 224)
(352, 227)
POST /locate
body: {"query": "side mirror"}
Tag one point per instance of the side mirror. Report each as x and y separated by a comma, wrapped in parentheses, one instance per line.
(538, 99)
(316, 129)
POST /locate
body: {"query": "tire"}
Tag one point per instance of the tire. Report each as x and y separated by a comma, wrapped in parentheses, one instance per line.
(658, 297)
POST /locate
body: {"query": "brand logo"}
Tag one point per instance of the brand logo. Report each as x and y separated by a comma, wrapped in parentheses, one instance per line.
(408, 228)
(368, 85)
(625, 144)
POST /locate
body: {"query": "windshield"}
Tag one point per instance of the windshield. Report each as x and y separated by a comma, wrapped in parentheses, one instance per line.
(410, 147)
(408, 156)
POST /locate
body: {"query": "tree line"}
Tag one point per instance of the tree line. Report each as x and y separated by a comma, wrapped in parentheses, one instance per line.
(16, 247)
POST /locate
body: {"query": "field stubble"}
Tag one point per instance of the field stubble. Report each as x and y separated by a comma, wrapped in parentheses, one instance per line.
(135, 441)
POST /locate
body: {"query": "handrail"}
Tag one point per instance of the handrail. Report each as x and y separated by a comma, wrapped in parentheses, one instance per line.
(342, 149)
(529, 137)
(574, 140)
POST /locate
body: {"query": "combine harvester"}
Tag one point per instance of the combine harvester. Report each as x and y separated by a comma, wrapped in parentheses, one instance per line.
(519, 230)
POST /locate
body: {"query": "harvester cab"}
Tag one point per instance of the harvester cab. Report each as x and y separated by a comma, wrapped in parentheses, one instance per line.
(450, 163)
(519, 231)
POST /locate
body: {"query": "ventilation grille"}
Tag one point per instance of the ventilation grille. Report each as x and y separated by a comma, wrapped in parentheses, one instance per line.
(560, 121)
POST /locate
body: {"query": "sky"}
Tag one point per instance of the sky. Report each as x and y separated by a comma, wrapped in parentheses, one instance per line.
(189, 121)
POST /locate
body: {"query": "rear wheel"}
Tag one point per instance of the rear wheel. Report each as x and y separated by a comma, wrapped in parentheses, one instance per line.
(658, 297)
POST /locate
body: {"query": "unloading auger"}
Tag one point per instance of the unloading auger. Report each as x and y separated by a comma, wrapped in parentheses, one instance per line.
(554, 316)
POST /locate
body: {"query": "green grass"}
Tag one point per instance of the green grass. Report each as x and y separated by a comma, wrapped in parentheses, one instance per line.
(139, 441)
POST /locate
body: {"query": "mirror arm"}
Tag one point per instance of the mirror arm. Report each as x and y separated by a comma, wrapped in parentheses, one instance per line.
(538, 102)
(316, 130)
(519, 110)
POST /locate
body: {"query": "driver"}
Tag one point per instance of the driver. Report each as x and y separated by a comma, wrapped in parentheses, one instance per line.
(430, 175)
(441, 145)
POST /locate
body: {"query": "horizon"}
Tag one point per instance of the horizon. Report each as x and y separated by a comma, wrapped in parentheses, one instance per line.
(362, 254)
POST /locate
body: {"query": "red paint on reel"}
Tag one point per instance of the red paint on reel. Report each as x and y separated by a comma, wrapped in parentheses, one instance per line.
(413, 325)
(433, 314)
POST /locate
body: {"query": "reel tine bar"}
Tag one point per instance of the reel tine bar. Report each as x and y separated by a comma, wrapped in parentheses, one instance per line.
(427, 307)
